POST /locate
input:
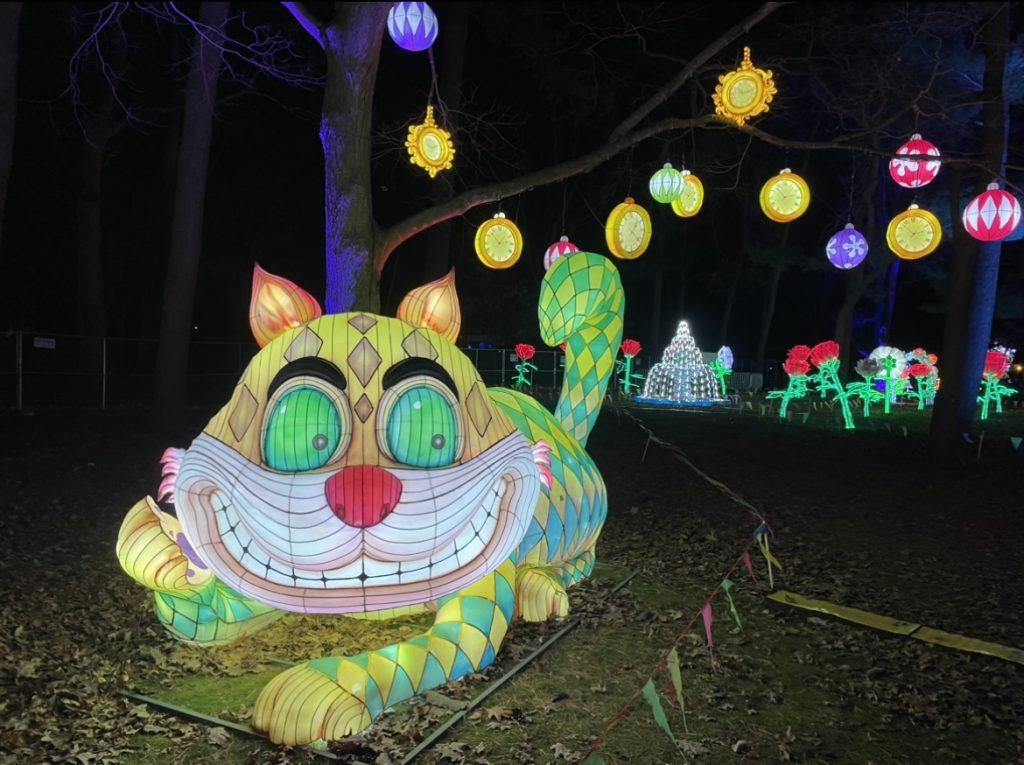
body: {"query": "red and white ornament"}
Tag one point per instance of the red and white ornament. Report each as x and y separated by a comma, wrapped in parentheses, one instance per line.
(992, 215)
(915, 173)
(562, 247)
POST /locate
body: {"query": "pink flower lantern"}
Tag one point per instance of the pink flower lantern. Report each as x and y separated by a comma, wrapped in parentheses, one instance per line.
(413, 26)
(562, 247)
(847, 248)
(992, 215)
(914, 173)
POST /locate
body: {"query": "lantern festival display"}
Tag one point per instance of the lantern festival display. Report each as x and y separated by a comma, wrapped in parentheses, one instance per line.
(498, 242)
(362, 466)
(913, 233)
(562, 247)
(690, 201)
(785, 197)
(847, 248)
(413, 26)
(666, 184)
(628, 230)
(430, 146)
(992, 215)
(915, 173)
(744, 93)
(681, 377)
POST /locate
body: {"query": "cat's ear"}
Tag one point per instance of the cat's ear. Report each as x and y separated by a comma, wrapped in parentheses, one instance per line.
(278, 305)
(435, 306)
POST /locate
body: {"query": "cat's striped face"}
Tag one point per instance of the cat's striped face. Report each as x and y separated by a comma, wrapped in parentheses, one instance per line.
(360, 465)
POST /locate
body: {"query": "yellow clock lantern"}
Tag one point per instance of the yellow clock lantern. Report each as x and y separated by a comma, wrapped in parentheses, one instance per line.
(913, 233)
(745, 92)
(785, 197)
(689, 202)
(498, 242)
(429, 146)
(628, 230)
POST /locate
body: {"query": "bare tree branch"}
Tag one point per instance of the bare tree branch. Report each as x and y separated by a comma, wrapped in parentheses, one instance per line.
(307, 21)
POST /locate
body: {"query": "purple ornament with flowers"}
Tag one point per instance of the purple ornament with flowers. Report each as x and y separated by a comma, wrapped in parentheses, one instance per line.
(413, 26)
(847, 249)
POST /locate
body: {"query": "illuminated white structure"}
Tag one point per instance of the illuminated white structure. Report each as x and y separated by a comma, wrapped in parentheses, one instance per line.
(681, 375)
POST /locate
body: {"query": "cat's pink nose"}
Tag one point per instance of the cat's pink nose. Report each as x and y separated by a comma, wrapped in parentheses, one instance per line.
(363, 495)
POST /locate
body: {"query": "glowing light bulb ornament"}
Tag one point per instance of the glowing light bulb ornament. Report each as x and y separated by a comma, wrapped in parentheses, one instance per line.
(847, 248)
(745, 92)
(666, 184)
(429, 146)
(915, 173)
(413, 26)
(562, 247)
(992, 215)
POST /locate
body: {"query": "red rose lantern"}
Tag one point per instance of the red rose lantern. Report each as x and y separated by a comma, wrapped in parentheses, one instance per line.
(992, 215)
(824, 352)
(795, 367)
(914, 173)
(631, 348)
(562, 247)
(997, 364)
(525, 351)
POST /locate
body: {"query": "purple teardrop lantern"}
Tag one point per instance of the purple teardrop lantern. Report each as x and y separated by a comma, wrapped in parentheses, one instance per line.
(847, 249)
(413, 26)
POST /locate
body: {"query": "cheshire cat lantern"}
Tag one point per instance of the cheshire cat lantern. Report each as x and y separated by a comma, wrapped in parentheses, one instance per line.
(362, 467)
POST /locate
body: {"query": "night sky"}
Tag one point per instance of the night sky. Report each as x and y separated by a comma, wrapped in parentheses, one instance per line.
(547, 82)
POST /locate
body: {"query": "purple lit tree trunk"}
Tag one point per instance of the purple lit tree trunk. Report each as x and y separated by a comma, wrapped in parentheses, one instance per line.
(974, 271)
(187, 229)
(10, 13)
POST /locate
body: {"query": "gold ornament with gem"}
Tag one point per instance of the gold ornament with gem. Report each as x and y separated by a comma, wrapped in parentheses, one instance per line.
(745, 92)
(430, 146)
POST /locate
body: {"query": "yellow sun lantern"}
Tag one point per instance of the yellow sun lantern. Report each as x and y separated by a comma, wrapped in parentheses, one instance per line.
(498, 242)
(628, 230)
(429, 146)
(785, 197)
(745, 92)
(689, 202)
(913, 233)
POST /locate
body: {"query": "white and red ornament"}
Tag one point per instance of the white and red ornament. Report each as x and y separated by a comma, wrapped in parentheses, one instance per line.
(915, 173)
(413, 26)
(847, 248)
(992, 215)
(562, 247)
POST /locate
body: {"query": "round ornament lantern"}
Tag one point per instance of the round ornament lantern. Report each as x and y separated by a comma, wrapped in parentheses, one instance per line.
(913, 233)
(689, 202)
(992, 215)
(628, 230)
(562, 247)
(847, 248)
(666, 185)
(429, 146)
(413, 26)
(498, 242)
(745, 92)
(915, 173)
(785, 197)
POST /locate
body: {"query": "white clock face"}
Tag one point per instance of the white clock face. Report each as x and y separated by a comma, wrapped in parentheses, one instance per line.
(914, 234)
(631, 231)
(500, 243)
(785, 196)
(743, 92)
(690, 197)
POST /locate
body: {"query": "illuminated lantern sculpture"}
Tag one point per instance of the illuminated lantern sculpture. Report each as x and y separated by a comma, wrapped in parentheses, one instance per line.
(992, 215)
(914, 173)
(913, 233)
(413, 26)
(681, 377)
(847, 248)
(628, 230)
(498, 242)
(429, 146)
(562, 247)
(666, 185)
(785, 197)
(745, 92)
(689, 202)
(434, 305)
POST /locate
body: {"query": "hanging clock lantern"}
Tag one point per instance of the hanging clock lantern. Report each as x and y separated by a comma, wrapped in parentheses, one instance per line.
(666, 184)
(992, 215)
(562, 247)
(915, 173)
(913, 233)
(847, 248)
(785, 197)
(628, 230)
(429, 146)
(413, 26)
(745, 92)
(689, 202)
(498, 242)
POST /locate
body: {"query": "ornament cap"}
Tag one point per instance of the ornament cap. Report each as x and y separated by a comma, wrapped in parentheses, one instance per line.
(684, 173)
(629, 201)
(667, 166)
(913, 207)
(849, 226)
(563, 238)
(499, 215)
(994, 186)
(784, 170)
(916, 137)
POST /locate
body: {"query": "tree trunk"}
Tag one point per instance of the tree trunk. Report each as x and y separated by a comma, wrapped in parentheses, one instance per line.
(768, 314)
(974, 271)
(10, 13)
(352, 44)
(187, 231)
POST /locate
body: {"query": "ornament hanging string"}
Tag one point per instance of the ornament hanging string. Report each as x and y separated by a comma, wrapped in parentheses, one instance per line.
(853, 168)
(435, 90)
(565, 201)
